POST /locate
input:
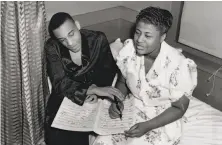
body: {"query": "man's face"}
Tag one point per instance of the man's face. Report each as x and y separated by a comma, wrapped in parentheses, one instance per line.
(146, 38)
(68, 34)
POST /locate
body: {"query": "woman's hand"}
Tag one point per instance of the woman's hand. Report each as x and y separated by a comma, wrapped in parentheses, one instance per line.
(114, 112)
(137, 130)
(109, 92)
(91, 99)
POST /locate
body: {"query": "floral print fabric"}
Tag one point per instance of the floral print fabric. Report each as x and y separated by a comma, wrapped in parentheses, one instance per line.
(170, 77)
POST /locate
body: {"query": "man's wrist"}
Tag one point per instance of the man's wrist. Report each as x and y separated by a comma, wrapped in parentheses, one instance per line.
(91, 89)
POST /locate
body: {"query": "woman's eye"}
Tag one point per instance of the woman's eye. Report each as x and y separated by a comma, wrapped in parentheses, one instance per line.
(137, 32)
(147, 36)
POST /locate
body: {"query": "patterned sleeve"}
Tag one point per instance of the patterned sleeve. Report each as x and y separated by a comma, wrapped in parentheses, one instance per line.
(183, 80)
(125, 55)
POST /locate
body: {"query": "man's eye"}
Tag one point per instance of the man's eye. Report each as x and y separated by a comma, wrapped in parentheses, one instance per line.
(147, 36)
(61, 40)
(71, 33)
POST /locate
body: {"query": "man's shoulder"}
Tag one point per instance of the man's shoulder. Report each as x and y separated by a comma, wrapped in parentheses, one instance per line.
(92, 34)
(51, 45)
(51, 41)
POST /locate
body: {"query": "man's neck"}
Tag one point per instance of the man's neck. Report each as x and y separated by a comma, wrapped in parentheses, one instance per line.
(76, 57)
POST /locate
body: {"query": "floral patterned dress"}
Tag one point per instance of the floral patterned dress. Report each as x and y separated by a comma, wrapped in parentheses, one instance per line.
(170, 77)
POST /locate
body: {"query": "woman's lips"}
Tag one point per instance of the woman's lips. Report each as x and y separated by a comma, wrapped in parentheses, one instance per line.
(139, 47)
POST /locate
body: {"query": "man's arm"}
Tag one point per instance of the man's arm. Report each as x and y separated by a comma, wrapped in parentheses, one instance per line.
(62, 84)
(106, 68)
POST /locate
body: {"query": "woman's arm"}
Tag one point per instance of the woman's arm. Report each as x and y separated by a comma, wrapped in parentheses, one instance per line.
(121, 84)
(175, 112)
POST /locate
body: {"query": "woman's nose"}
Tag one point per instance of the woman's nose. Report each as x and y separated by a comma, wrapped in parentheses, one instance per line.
(140, 38)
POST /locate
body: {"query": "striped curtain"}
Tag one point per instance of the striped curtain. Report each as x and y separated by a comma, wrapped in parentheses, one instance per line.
(23, 72)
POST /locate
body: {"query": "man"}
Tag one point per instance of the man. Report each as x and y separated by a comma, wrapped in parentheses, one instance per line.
(81, 67)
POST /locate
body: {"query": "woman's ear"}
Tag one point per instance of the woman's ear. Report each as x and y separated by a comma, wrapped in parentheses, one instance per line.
(163, 37)
(77, 24)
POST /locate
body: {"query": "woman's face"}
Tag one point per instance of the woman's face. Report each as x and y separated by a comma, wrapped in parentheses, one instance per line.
(147, 38)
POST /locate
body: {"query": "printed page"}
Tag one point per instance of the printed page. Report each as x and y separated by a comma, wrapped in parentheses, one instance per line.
(107, 126)
(73, 117)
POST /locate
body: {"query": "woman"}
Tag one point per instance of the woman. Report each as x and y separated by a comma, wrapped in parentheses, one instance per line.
(160, 79)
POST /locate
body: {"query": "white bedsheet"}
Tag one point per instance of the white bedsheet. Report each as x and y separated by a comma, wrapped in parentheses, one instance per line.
(204, 125)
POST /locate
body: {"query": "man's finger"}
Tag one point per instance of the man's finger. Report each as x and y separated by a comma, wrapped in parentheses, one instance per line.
(88, 99)
(93, 99)
(117, 93)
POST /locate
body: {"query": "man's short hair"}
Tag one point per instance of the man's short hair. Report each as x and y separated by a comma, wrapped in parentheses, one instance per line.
(57, 20)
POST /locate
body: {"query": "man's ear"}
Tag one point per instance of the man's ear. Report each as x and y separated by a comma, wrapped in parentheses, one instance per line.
(163, 37)
(77, 24)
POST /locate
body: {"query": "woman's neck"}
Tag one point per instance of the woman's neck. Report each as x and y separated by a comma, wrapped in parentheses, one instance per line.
(153, 54)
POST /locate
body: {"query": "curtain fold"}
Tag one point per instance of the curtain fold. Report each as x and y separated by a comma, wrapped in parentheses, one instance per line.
(23, 73)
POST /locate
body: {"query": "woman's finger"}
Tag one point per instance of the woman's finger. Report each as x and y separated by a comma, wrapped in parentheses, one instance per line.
(114, 108)
(132, 135)
(133, 127)
(112, 113)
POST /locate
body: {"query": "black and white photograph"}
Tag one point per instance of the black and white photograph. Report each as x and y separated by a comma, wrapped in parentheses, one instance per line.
(111, 72)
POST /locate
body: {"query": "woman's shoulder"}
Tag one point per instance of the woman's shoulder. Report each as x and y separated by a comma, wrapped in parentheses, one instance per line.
(128, 49)
(178, 55)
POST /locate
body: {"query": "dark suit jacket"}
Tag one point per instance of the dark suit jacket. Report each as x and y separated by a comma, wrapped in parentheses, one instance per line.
(71, 80)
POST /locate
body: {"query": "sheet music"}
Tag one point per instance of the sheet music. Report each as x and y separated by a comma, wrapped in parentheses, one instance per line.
(73, 117)
(107, 126)
(93, 117)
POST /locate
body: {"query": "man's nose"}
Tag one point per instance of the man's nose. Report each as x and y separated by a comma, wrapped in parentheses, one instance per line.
(69, 42)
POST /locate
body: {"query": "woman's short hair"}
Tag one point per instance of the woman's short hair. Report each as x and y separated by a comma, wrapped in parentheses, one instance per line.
(57, 20)
(158, 17)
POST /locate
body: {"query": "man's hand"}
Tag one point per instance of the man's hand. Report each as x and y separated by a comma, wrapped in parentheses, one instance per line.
(137, 130)
(91, 99)
(109, 92)
(114, 112)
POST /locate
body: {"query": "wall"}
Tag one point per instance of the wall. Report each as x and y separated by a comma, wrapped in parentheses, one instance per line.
(131, 8)
(77, 7)
(137, 6)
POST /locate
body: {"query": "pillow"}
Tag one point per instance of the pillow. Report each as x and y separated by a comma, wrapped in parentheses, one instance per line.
(115, 47)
